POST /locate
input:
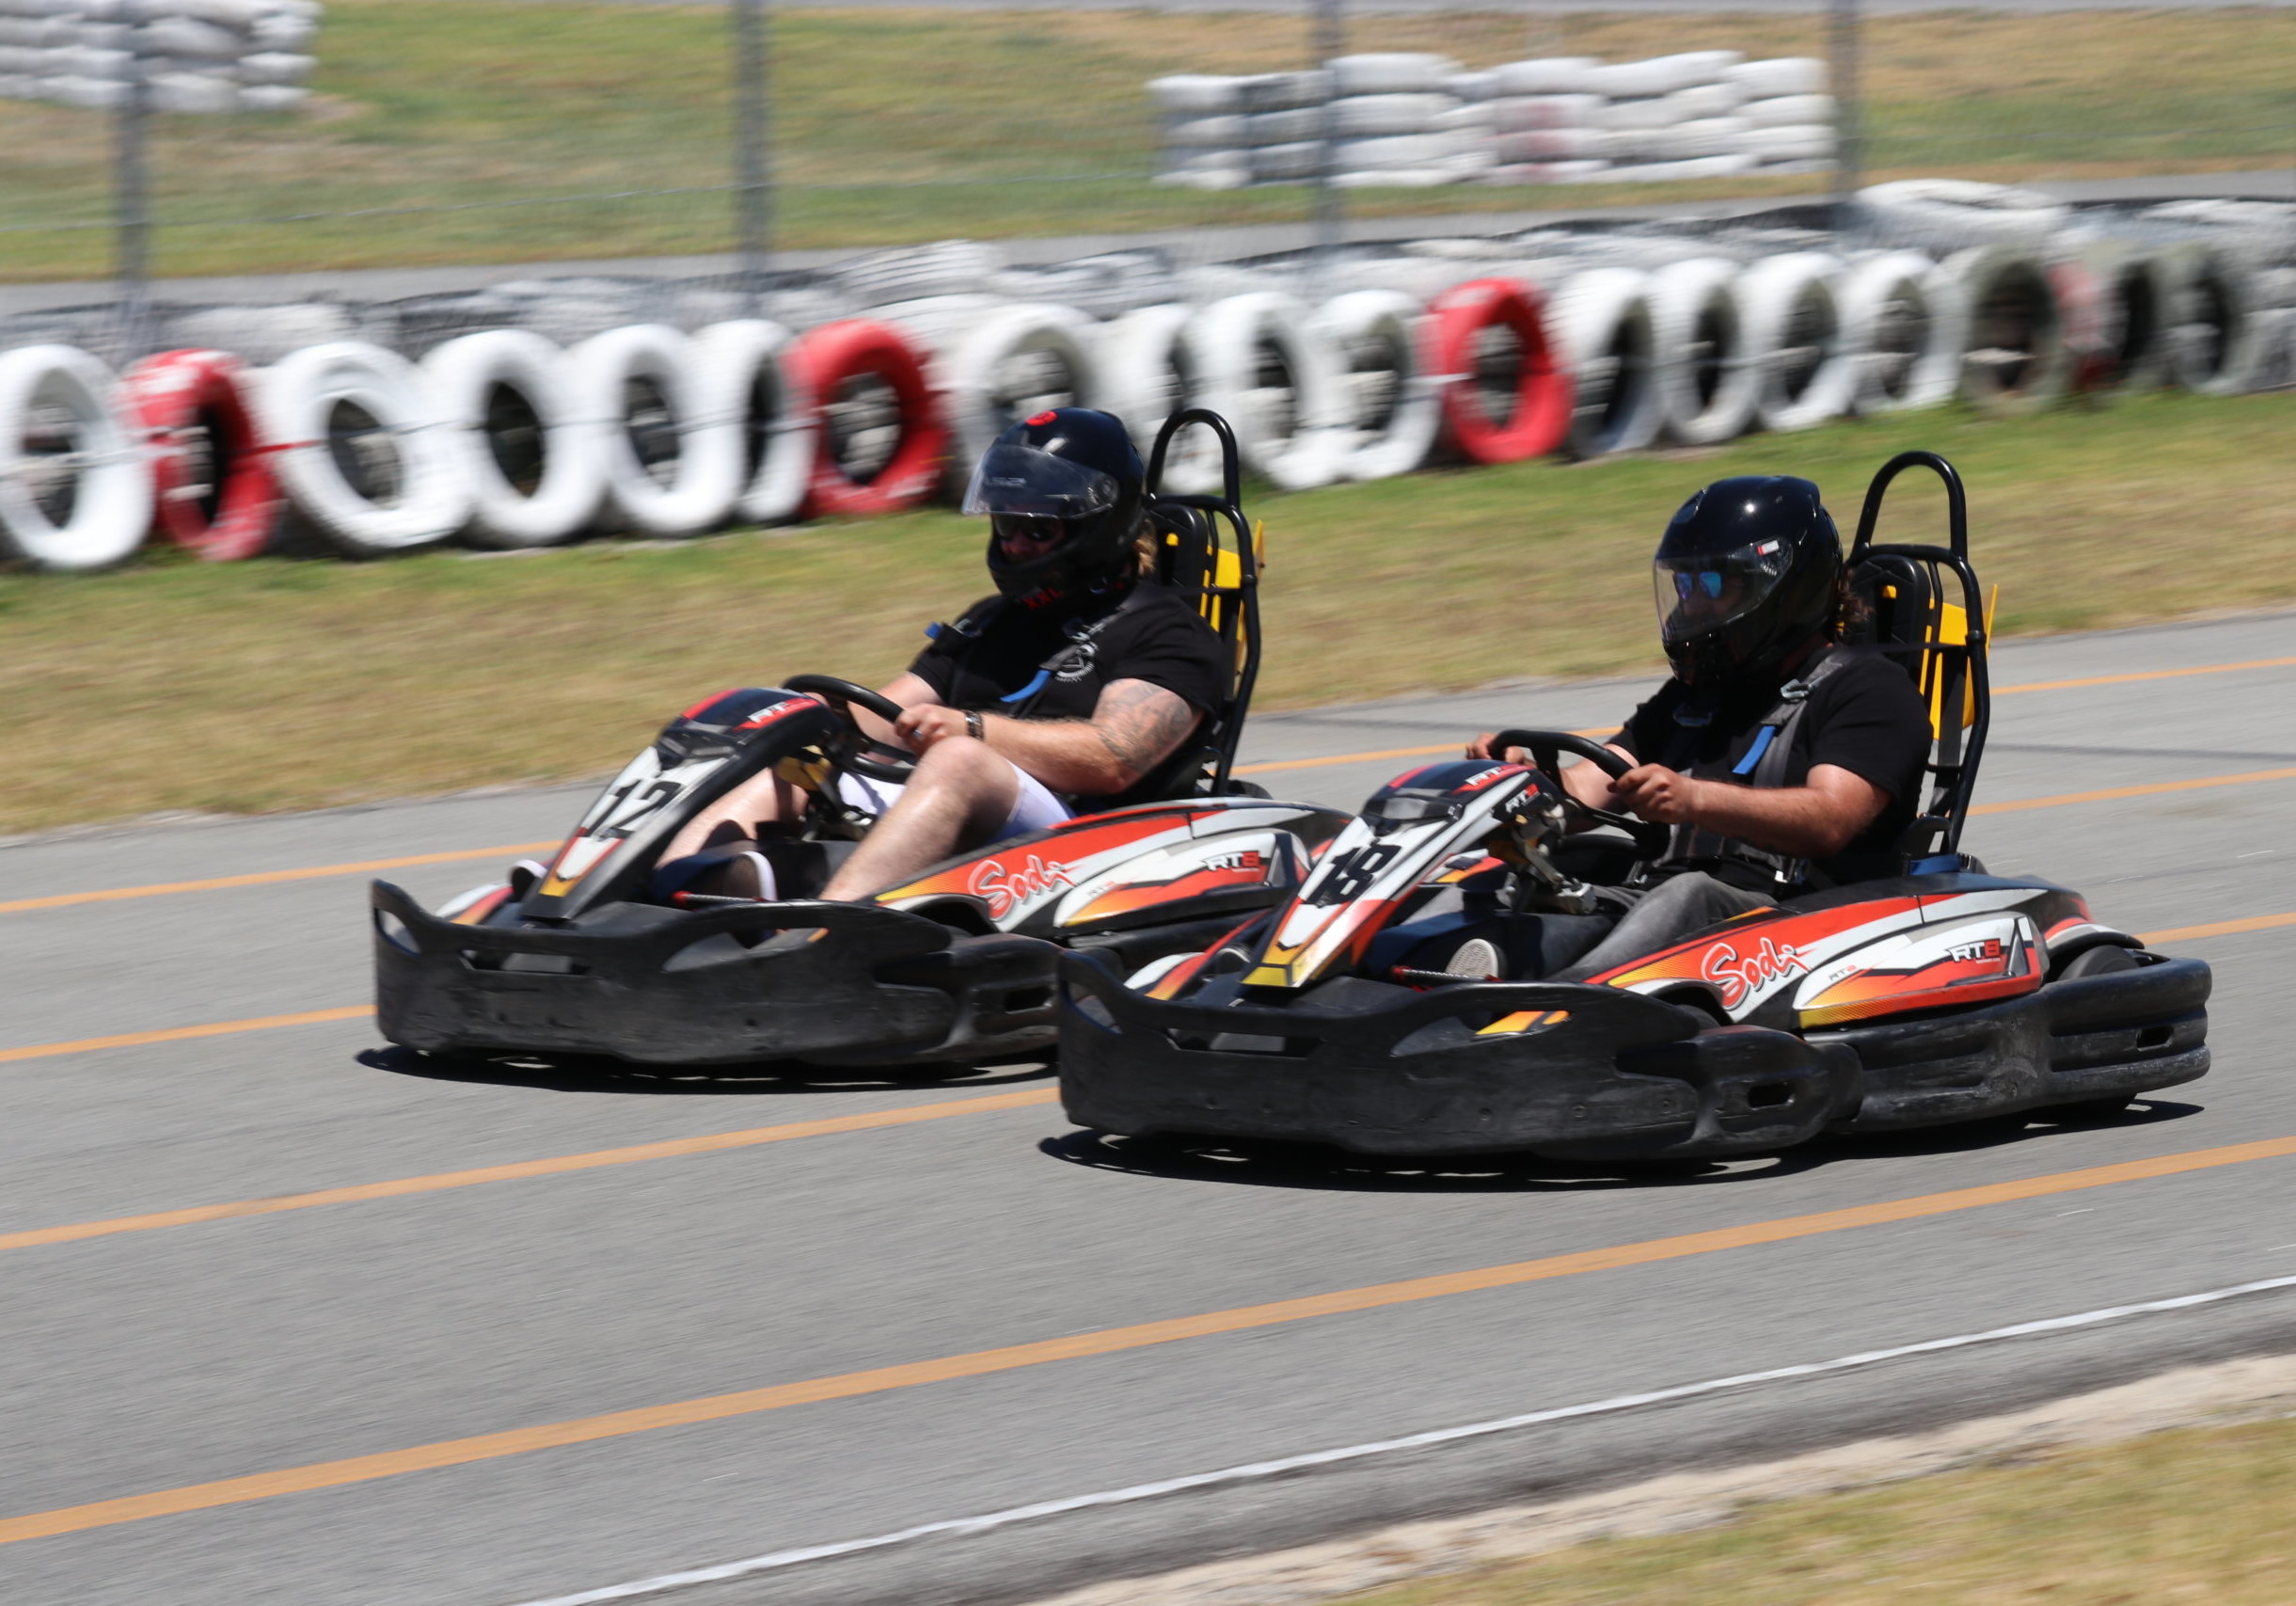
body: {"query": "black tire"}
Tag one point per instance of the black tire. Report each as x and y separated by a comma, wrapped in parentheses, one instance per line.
(2103, 959)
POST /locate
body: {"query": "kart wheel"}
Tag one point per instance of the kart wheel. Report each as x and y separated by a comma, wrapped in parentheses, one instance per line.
(2106, 958)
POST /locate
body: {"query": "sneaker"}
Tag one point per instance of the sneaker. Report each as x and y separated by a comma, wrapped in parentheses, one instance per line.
(1476, 960)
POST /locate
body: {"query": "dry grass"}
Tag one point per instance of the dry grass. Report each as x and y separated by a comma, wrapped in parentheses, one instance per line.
(284, 684)
(2199, 1515)
(913, 125)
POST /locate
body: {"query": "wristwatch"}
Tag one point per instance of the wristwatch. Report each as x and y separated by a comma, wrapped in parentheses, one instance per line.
(973, 725)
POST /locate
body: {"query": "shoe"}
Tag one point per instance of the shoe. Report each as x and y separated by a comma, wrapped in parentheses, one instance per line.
(1476, 960)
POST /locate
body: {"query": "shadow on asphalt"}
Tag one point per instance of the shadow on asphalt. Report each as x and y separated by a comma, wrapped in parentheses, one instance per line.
(584, 1073)
(1318, 1167)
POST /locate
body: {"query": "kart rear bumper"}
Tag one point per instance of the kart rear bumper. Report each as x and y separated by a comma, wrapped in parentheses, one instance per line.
(1623, 1076)
(835, 983)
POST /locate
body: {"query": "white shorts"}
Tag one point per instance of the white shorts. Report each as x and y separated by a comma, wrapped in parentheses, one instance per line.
(1034, 808)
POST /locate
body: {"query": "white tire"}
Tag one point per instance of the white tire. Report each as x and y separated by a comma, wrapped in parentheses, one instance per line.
(1390, 74)
(2014, 358)
(1276, 382)
(465, 376)
(1602, 325)
(1782, 75)
(1548, 76)
(744, 379)
(1952, 214)
(684, 490)
(56, 426)
(1663, 74)
(1150, 370)
(1363, 117)
(1794, 340)
(2215, 339)
(1903, 325)
(1018, 363)
(1394, 406)
(1704, 382)
(361, 450)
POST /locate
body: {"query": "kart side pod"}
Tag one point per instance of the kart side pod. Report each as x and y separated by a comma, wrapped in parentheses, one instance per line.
(1551, 1068)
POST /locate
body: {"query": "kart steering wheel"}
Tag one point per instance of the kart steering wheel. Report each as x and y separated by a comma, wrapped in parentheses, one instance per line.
(1546, 748)
(845, 696)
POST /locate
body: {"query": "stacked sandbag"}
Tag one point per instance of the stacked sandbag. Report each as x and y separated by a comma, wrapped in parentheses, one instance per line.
(1789, 117)
(193, 56)
(1543, 121)
(1396, 121)
(1224, 133)
(1674, 117)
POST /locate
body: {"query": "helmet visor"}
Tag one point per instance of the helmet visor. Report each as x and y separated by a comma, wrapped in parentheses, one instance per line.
(1702, 592)
(1027, 482)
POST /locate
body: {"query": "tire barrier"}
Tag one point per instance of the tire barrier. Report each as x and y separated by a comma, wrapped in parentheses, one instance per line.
(672, 463)
(213, 491)
(747, 379)
(2214, 341)
(1902, 324)
(1149, 367)
(1604, 333)
(359, 447)
(1804, 371)
(1266, 372)
(1506, 390)
(1704, 381)
(1019, 361)
(75, 487)
(2015, 359)
(509, 420)
(1394, 404)
(881, 438)
(2133, 308)
(1952, 214)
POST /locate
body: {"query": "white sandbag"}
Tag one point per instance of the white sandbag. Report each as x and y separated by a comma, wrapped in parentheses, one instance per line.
(1282, 127)
(1209, 133)
(1516, 114)
(1360, 116)
(1390, 72)
(1401, 151)
(1282, 91)
(1781, 76)
(1661, 75)
(1546, 75)
(1797, 142)
(1196, 93)
(1781, 110)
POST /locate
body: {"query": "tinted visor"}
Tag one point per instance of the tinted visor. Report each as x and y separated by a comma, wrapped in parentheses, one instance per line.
(1699, 594)
(1030, 482)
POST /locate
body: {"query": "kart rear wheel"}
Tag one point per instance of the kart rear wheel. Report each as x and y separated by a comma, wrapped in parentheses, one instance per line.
(2103, 959)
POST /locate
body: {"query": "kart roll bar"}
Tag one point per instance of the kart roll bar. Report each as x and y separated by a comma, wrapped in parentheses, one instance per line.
(1220, 742)
(1950, 671)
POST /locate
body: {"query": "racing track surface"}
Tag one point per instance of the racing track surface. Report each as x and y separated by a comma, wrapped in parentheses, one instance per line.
(154, 1355)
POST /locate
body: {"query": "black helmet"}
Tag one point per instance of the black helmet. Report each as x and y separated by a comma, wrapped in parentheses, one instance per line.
(1070, 473)
(1745, 574)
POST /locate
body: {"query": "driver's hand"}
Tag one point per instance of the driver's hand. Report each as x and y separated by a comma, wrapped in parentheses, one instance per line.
(1481, 746)
(1658, 794)
(927, 723)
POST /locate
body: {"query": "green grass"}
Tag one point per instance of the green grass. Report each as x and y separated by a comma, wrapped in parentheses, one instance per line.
(2199, 1515)
(894, 126)
(281, 683)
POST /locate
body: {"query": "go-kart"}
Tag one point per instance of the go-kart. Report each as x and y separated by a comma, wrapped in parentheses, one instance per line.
(593, 953)
(1396, 1005)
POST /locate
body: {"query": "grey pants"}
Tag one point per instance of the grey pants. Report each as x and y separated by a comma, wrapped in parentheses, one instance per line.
(1669, 912)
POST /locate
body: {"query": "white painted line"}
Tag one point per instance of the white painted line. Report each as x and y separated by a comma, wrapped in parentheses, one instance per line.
(1258, 1469)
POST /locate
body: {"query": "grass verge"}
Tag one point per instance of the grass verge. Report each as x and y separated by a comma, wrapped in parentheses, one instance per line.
(440, 112)
(2199, 1514)
(282, 683)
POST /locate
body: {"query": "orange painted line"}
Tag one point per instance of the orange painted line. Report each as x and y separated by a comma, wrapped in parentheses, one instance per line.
(558, 1165)
(2155, 790)
(2146, 674)
(1109, 1340)
(2217, 928)
(265, 877)
(180, 1034)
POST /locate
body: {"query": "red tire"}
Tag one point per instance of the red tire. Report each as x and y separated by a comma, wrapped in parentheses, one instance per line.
(829, 362)
(226, 507)
(1541, 416)
(2081, 302)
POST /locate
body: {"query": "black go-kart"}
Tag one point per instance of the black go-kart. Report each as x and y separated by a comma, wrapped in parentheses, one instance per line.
(586, 955)
(1393, 1005)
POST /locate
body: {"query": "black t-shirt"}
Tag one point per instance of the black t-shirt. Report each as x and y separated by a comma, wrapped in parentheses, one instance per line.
(1151, 634)
(1865, 716)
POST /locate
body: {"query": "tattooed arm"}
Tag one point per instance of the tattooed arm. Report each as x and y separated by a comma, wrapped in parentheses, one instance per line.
(1134, 728)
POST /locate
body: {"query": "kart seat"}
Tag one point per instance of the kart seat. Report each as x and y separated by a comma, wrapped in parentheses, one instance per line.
(1921, 606)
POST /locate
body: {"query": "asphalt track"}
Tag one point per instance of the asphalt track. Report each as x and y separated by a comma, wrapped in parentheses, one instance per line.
(288, 1318)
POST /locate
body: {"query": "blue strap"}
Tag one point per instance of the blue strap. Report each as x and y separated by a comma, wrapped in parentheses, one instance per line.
(1028, 691)
(1753, 755)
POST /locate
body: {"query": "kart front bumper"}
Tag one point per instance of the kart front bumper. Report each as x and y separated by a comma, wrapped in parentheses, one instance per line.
(1614, 1074)
(833, 983)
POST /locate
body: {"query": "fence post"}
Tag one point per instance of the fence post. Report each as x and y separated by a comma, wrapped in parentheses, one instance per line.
(754, 186)
(1849, 116)
(133, 195)
(1329, 42)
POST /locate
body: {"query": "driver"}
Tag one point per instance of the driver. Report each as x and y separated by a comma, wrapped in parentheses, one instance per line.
(1069, 687)
(1784, 761)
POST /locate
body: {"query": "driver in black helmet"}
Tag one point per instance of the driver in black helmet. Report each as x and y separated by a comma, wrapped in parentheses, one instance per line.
(1784, 761)
(1068, 688)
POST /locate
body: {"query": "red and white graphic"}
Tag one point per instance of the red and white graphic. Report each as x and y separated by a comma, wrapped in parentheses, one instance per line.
(1740, 976)
(1006, 888)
